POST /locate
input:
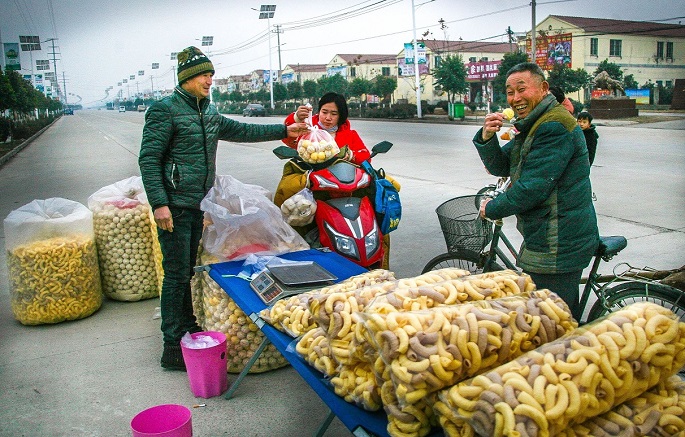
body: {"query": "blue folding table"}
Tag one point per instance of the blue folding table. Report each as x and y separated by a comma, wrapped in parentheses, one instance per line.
(359, 421)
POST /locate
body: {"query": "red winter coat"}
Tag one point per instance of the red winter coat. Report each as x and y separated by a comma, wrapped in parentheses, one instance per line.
(345, 136)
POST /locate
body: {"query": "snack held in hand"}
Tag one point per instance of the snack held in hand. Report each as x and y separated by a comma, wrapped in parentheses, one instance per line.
(317, 146)
(508, 114)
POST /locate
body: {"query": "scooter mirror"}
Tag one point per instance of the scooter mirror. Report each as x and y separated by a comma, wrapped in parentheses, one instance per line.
(381, 147)
(285, 152)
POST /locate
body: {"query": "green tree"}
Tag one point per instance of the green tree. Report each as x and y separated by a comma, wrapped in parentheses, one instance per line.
(613, 70)
(280, 92)
(508, 61)
(332, 84)
(359, 87)
(567, 79)
(7, 97)
(294, 90)
(450, 76)
(309, 89)
(236, 96)
(384, 86)
(629, 82)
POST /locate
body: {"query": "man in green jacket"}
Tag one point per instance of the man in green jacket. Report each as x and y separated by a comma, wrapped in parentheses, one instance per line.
(550, 191)
(178, 165)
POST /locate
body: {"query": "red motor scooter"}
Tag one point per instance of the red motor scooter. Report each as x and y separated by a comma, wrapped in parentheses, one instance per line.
(345, 218)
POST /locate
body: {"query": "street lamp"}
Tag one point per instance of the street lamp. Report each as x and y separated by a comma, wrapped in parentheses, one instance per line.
(267, 11)
(416, 63)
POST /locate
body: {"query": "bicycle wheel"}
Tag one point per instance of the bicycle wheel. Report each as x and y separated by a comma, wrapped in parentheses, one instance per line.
(626, 293)
(462, 259)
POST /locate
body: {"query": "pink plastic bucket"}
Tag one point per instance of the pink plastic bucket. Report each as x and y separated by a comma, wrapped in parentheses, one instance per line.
(169, 420)
(207, 372)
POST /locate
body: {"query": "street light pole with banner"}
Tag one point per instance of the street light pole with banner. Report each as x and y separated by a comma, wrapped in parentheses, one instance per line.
(267, 12)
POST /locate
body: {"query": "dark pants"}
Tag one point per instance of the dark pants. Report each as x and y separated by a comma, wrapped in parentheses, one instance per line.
(566, 285)
(179, 252)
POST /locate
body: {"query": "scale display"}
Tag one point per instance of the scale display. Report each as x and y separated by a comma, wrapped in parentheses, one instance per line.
(289, 279)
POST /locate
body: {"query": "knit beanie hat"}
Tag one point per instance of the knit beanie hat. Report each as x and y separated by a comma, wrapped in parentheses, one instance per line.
(191, 62)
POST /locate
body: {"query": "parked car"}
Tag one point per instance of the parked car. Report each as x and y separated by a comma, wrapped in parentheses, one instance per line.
(141, 108)
(122, 108)
(68, 111)
(254, 110)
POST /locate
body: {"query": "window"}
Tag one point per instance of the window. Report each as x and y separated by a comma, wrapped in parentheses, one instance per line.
(472, 59)
(615, 47)
(594, 44)
(385, 71)
(353, 72)
(669, 84)
(669, 50)
(660, 50)
(438, 61)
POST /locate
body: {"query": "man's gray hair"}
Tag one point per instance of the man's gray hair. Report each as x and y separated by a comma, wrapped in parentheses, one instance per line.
(531, 67)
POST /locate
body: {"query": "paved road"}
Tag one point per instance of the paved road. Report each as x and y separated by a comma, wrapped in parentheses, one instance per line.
(90, 377)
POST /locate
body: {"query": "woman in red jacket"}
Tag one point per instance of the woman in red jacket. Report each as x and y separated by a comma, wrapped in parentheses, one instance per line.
(332, 117)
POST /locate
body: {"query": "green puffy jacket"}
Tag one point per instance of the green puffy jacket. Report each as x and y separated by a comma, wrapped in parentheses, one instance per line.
(550, 194)
(178, 151)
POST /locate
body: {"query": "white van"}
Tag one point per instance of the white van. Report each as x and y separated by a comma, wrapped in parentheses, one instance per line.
(122, 108)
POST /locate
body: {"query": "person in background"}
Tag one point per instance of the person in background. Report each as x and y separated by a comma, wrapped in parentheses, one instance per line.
(591, 136)
(550, 191)
(332, 117)
(562, 99)
(178, 164)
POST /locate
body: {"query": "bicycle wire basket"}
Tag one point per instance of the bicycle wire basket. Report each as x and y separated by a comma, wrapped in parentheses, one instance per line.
(462, 226)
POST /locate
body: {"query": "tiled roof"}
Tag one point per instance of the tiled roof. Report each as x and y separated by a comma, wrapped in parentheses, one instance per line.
(609, 26)
(368, 59)
(304, 68)
(468, 46)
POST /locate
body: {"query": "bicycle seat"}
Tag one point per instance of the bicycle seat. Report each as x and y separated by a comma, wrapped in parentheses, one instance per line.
(610, 246)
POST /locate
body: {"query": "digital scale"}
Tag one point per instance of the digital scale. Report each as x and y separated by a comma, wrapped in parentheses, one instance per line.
(289, 279)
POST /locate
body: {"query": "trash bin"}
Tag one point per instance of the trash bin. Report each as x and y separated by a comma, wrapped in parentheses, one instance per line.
(458, 110)
(206, 367)
(169, 420)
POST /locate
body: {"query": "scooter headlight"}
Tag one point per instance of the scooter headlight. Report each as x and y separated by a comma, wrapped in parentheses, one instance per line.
(371, 242)
(343, 244)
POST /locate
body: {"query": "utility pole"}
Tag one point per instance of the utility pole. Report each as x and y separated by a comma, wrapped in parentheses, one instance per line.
(54, 60)
(416, 63)
(532, 35)
(64, 83)
(278, 35)
(510, 34)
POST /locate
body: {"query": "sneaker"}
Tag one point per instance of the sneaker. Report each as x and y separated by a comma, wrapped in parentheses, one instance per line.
(172, 358)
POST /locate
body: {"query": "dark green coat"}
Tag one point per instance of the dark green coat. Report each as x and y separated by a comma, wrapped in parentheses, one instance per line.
(178, 151)
(550, 193)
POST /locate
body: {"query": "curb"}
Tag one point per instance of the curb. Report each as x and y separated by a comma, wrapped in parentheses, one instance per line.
(9, 155)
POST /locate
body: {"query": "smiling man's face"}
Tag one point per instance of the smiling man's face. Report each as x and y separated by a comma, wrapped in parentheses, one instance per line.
(525, 91)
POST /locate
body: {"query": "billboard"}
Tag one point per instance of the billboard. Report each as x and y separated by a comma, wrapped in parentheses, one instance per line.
(409, 53)
(482, 71)
(10, 51)
(552, 49)
(332, 71)
(405, 69)
(641, 96)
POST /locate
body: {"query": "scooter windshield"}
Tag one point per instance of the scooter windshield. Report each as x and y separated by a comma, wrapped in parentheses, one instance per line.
(343, 171)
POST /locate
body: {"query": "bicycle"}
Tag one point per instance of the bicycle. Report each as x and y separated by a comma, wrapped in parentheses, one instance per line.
(473, 244)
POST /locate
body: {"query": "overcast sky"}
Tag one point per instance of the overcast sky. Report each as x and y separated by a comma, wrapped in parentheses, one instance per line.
(101, 42)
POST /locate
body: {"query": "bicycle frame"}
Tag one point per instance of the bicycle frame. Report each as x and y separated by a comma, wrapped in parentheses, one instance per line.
(496, 252)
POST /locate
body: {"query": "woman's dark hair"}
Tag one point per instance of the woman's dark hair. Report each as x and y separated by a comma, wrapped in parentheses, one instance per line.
(340, 102)
(584, 116)
(531, 67)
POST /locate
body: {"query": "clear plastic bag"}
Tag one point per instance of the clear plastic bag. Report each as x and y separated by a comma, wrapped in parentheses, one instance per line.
(317, 146)
(242, 220)
(52, 262)
(299, 209)
(126, 235)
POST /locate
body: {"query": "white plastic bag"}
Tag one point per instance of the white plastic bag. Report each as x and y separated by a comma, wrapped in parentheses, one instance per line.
(317, 146)
(300, 208)
(52, 262)
(242, 220)
(128, 250)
